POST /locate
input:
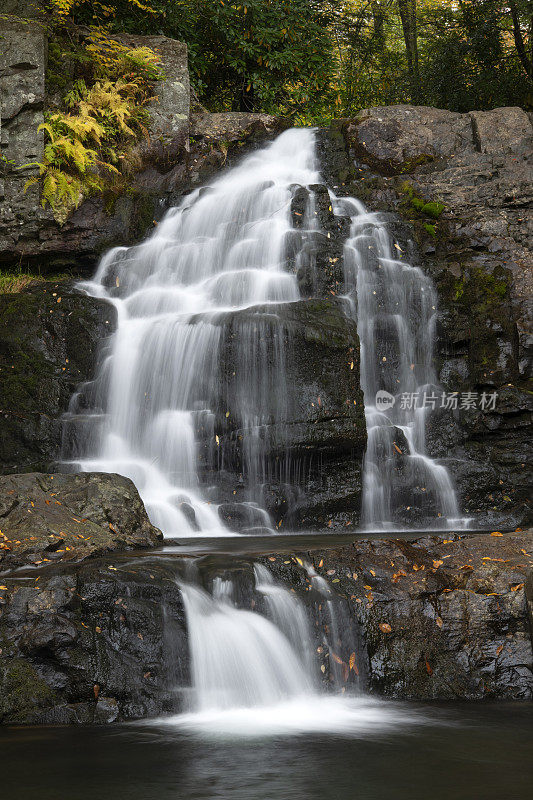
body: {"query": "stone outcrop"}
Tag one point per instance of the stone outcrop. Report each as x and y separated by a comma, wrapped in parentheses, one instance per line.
(308, 355)
(50, 334)
(22, 98)
(62, 517)
(460, 189)
(441, 618)
(428, 619)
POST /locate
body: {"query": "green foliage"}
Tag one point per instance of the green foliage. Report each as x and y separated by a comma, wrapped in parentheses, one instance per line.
(268, 55)
(98, 118)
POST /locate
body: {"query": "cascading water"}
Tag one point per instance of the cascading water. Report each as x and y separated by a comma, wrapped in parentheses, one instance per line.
(160, 395)
(253, 672)
(159, 388)
(395, 304)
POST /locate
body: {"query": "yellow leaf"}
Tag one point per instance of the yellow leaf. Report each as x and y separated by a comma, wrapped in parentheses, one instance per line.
(496, 533)
(439, 622)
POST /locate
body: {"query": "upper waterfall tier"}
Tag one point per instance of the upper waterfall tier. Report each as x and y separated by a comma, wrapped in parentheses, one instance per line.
(224, 248)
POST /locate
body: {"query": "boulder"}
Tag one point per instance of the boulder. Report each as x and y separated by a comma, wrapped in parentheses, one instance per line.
(69, 517)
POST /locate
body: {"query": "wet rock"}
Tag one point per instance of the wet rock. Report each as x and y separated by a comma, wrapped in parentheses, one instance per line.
(49, 340)
(479, 167)
(241, 516)
(46, 518)
(92, 645)
(299, 379)
(441, 618)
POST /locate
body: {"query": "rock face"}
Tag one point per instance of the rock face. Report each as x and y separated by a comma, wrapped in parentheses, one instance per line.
(22, 96)
(49, 338)
(170, 163)
(442, 619)
(460, 187)
(48, 518)
(93, 646)
(304, 369)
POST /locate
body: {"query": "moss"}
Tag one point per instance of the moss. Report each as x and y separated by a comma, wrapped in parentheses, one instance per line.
(432, 209)
(430, 229)
(412, 163)
(14, 281)
(23, 692)
(480, 304)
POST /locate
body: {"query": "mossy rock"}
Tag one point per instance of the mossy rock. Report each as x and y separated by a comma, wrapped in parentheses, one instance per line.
(49, 340)
(23, 692)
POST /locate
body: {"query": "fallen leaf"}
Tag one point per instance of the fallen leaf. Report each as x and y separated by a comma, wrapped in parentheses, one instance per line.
(437, 562)
(385, 627)
(96, 691)
(496, 533)
(439, 622)
(428, 668)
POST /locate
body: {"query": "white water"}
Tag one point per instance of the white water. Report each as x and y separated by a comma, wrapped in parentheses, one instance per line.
(396, 308)
(159, 392)
(159, 388)
(253, 674)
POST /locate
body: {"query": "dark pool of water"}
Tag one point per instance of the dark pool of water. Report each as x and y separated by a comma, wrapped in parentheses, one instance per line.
(466, 752)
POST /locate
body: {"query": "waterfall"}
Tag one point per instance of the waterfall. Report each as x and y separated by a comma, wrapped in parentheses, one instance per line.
(241, 659)
(253, 673)
(188, 381)
(160, 387)
(396, 308)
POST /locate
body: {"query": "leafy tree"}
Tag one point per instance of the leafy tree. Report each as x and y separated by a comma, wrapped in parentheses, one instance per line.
(271, 55)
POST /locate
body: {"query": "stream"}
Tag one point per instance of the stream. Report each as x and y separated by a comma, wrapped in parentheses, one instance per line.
(464, 752)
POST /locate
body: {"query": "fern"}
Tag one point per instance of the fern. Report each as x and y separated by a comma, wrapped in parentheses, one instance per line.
(87, 141)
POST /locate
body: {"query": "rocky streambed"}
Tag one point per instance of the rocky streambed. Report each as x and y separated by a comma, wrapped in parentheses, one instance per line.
(88, 635)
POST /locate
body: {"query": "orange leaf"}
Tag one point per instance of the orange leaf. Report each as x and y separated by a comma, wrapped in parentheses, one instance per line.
(385, 627)
(428, 668)
(496, 533)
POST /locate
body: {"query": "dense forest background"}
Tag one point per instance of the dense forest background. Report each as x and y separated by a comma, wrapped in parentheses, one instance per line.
(309, 60)
(317, 59)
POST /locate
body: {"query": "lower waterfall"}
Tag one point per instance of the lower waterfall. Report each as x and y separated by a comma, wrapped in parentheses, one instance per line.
(253, 672)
